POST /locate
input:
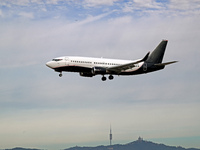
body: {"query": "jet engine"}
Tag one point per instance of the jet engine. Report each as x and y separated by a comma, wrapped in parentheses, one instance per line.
(98, 70)
(86, 74)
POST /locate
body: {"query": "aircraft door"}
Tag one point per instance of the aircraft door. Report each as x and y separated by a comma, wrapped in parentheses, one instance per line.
(67, 61)
(145, 66)
(61, 62)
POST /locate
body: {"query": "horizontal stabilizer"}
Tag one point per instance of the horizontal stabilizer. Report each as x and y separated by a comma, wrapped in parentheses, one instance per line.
(164, 64)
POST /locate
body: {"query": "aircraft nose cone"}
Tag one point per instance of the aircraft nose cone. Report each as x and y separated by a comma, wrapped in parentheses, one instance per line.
(48, 64)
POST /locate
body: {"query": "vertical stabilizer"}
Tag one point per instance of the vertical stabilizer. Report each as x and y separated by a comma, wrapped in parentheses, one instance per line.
(157, 55)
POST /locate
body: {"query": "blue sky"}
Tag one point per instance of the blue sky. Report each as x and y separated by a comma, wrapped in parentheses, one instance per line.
(39, 109)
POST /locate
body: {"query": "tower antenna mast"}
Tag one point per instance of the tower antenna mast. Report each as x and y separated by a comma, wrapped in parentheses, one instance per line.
(110, 136)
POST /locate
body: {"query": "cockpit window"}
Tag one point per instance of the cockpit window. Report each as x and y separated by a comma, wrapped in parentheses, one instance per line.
(57, 59)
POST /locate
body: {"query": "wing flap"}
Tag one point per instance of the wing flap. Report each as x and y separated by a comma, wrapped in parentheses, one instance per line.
(120, 68)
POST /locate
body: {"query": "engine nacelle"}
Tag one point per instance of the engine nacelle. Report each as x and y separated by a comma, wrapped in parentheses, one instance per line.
(86, 74)
(98, 70)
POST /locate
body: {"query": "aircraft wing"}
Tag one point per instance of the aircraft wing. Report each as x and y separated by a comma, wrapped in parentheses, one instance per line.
(120, 68)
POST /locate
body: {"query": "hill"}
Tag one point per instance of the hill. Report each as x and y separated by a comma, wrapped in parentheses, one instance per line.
(140, 144)
(20, 148)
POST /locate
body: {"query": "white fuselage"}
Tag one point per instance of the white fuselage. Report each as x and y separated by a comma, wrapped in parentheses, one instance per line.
(89, 62)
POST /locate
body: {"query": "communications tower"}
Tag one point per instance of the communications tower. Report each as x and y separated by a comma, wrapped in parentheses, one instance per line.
(110, 136)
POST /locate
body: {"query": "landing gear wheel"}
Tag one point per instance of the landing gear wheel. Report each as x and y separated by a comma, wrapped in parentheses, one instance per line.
(111, 77)
(103, 78)
(60, 75)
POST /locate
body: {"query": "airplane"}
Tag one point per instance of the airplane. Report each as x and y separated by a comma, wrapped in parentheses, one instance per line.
(90, 66)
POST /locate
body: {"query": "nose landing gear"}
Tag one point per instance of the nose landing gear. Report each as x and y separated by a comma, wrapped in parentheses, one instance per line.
(60, 75)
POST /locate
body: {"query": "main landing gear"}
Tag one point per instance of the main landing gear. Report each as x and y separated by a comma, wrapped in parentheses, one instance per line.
(103, 78)
(110, 77)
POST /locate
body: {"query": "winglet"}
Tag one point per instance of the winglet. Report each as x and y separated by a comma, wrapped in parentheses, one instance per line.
(145, 57)
(119, 68)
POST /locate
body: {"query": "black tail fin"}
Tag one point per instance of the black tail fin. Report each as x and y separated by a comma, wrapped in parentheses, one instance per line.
(157, 55)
